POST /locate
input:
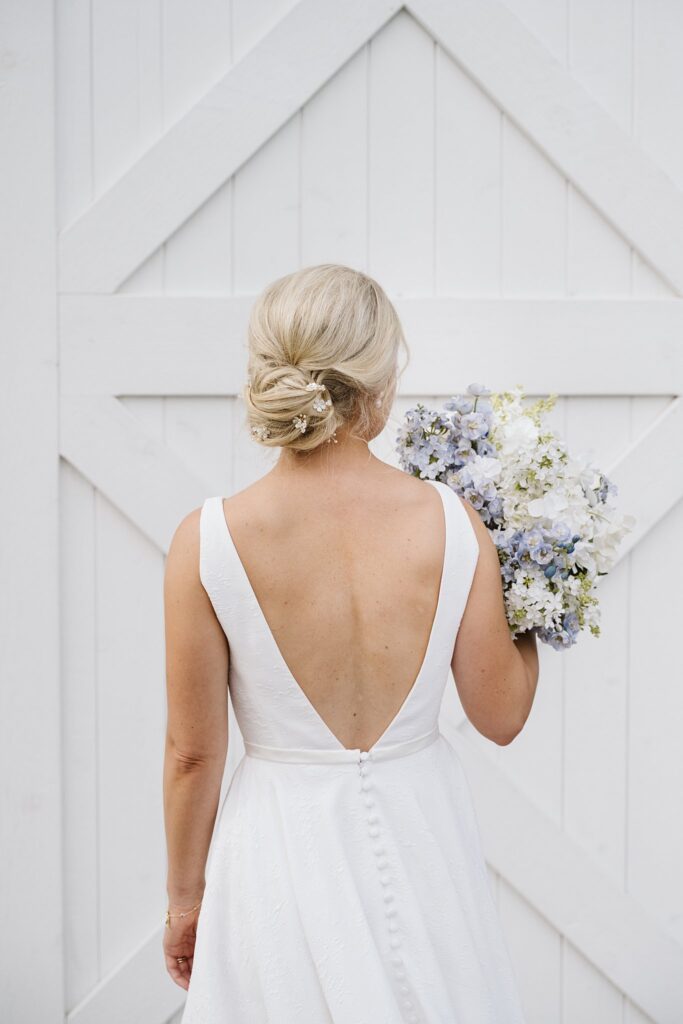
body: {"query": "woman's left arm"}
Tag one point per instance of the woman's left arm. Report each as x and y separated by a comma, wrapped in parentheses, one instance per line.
(197, 659)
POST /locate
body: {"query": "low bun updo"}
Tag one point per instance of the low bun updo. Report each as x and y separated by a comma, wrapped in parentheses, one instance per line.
(323, 349)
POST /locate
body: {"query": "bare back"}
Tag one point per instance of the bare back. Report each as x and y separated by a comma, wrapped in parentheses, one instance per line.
(347, 573)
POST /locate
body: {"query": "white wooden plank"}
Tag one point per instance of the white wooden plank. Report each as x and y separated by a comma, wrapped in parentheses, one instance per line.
(186, 346)
(600, 54)
(253, 19)
(565, 122)
(136, 472)
(138, 991)
(658, 84)
(196, 52)
(334, 153)
(200, 432)
(540, 742)
(649, 474)
(126, 84)
(127, 103)
(31, 898)
(598, 259)
(610, 927)
(533, 246)
(632, 1015)
(535, 951)
(172, 345)
(265, 234)
(586, 995)
(79, 734)
(468, 184)
(596, 675)
(73, 95)
(206, 146)
(547, 19)
(130, 730)
(197, 259)
(401, 158)
(655, 766)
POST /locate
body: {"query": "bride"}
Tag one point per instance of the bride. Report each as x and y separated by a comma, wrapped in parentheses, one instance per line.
(342, 878)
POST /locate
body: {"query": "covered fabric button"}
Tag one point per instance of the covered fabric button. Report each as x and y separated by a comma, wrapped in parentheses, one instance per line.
(364, 755)
(373, 830)
(394, 942)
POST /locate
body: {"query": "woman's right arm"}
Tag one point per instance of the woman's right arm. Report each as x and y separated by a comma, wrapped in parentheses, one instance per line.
(495, 676)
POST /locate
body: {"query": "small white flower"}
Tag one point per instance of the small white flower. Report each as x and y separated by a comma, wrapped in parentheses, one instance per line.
(550, 506)
(260, 431)
(319, 404)
(314, 386)
(300, 422)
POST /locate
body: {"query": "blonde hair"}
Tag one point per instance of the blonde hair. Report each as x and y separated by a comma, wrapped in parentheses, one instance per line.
(326, 325)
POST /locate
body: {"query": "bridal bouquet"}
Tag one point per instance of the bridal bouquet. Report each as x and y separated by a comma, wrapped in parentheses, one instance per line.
(551, 515)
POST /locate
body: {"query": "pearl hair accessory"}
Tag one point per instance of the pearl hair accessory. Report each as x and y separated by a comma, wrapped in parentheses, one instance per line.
(300, 422)
(261, 432)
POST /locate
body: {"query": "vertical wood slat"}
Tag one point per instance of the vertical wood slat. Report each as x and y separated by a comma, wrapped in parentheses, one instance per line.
(401, 158)
(31, 936)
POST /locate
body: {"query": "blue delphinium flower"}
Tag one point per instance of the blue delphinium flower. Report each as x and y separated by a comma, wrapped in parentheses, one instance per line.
(542, 553)
(459, 403)
(473, 425)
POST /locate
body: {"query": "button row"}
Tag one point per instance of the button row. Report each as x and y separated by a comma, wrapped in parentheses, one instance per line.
(388, 897)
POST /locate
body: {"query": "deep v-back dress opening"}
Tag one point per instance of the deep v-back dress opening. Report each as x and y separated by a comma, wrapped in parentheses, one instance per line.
(269, 636)
(344, 886)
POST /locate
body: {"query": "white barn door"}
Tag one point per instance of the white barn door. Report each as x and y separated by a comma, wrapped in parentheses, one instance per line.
(509, 172)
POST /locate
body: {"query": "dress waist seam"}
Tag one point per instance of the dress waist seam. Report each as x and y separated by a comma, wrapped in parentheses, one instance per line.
(323, 755)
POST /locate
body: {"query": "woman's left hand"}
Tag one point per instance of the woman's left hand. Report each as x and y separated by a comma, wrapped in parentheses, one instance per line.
(179, 942)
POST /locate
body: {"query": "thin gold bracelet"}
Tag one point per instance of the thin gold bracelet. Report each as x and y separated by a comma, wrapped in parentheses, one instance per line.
(184, 914)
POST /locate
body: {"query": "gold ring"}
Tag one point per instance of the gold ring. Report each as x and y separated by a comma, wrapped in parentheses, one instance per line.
(180, 959)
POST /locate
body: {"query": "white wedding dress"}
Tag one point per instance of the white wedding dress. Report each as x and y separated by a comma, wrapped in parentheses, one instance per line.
(344, 886)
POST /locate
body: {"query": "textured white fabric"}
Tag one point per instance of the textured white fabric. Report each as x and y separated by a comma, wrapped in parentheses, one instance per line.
(344, 886)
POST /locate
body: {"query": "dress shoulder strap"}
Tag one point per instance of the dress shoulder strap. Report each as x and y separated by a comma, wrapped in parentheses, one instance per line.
(213, 551)
(462, 553)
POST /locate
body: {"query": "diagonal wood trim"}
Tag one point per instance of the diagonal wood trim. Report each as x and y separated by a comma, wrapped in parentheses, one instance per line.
(565, 122)
(205, 147)
(131, 345)
(649, 474)
(138, 991)
(609, 927)
(139, 474)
